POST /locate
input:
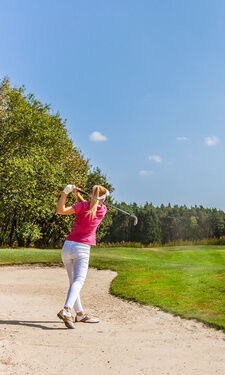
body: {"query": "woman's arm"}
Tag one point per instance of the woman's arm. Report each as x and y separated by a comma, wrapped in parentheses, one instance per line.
(79, 197)
(61, 209)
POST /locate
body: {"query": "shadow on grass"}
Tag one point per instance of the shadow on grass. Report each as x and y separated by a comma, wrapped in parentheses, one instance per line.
(34, 324)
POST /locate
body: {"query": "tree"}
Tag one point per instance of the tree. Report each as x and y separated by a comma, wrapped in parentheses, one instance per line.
(148, 228)
(37, 159)
(120, 229)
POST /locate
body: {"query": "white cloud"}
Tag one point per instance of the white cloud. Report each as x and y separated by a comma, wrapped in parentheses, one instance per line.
(155, 158)
(182, 139)
(145, 172)
(97, 137)
(212, 141)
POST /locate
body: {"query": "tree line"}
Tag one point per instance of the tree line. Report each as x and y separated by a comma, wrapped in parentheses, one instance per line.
(166, 224)
(38, 158)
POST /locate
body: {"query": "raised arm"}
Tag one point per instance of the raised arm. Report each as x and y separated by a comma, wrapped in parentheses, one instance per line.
(61, 206)
(79, 197)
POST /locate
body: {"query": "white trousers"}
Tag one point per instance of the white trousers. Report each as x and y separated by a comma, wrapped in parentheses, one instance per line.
(75, 257)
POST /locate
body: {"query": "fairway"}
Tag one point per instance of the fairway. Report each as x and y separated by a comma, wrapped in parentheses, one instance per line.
(185, 280)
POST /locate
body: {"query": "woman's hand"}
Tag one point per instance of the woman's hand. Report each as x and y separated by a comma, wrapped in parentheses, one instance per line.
(78, 197)
(69, 188)
(61, 206)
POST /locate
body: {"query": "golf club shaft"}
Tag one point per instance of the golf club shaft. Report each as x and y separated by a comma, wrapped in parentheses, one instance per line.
(119, 209)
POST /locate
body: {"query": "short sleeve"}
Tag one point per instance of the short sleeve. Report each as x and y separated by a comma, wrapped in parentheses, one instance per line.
(78, 207)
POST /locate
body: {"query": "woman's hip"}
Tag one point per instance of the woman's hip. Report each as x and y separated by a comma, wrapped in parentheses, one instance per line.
(75, 250)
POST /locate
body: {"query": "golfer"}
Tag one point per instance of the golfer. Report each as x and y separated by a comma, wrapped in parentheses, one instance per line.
(76, 249)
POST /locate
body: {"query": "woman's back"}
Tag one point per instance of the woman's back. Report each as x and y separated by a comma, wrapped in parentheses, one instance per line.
(84, 226)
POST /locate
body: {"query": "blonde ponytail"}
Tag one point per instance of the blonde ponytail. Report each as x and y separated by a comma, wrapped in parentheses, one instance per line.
(97, 191)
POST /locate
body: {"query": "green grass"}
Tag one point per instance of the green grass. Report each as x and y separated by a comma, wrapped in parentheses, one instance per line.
(184, 280)
(29, 256)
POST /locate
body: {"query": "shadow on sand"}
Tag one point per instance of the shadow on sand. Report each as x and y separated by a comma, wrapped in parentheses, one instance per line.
(35, 324)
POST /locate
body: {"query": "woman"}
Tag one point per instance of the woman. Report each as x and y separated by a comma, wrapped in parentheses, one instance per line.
(76, 249)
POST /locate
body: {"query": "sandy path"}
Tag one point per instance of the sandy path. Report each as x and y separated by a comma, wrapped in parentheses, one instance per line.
(129, 340)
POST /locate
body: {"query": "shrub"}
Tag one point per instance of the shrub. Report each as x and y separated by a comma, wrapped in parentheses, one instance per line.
(27, 234)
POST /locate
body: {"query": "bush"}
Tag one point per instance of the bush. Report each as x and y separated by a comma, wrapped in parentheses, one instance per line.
(205, 241)
(27, 234)
(120, 244)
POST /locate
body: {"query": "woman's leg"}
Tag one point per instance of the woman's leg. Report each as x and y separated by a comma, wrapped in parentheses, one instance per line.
(68, 260)
(70, 271)
(75, 257)
(80, 269)
(78, 306)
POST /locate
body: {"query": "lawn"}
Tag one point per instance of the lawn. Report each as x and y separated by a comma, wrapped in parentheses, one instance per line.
(184, 280)
(29, 256)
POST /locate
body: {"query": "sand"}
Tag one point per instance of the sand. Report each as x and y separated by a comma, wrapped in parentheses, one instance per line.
(129, 340)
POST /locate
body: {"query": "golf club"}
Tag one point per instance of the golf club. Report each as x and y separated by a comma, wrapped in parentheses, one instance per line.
(119, 209)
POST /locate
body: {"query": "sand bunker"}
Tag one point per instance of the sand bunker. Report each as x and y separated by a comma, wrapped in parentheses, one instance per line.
(129, 340)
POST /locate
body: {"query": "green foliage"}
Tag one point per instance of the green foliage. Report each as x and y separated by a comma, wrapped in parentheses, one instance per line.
(37, 159)
(120, 230)
(27, 234)
(120, 244)
(166, 224)
(96, 177)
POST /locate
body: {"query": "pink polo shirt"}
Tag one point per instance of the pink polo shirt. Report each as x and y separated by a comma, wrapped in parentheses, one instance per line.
(84, 228)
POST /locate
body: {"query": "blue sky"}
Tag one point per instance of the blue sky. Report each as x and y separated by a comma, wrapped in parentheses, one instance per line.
(148, 77)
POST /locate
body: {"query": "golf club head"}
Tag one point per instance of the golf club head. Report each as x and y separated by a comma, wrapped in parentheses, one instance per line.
(135, 219)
